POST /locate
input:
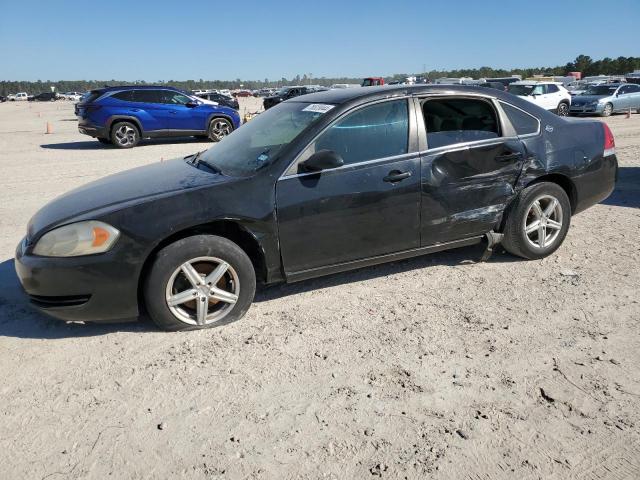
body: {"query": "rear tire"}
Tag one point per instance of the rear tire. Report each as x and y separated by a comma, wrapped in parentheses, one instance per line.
(608, 110)
(537, 221)
(125, 135)
(203, 281)
(219, 128)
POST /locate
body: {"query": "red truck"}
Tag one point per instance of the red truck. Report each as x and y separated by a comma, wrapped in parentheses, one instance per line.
(372, 81)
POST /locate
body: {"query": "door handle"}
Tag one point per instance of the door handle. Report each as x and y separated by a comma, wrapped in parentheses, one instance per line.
(507, 157)
(396, 176)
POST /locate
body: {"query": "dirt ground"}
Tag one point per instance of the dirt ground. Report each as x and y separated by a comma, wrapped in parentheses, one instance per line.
(437, 367)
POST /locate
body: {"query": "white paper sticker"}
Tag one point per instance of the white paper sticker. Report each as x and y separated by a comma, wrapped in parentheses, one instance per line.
(318, 107)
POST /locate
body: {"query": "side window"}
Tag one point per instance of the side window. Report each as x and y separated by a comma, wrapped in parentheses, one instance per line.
(174, 98)
(125, 96)
(538, 90)
(552, 89)
(633, 88)
(146, 96)
(459, 120)
(523, 123)
(376, 131)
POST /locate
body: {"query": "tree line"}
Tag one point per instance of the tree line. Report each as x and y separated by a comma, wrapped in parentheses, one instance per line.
(583, 63)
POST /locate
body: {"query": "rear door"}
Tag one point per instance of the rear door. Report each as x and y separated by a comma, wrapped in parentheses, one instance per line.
(146, 105)
(470, 161)
(367, 207)
(634, 96)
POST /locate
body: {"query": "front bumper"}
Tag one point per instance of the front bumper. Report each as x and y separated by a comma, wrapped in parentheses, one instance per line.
(586, 109)
(94, 288)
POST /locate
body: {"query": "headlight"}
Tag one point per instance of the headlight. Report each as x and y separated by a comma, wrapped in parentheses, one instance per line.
(82, 238)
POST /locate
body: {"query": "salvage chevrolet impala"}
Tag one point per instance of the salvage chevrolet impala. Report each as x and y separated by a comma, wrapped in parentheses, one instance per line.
(319, 184)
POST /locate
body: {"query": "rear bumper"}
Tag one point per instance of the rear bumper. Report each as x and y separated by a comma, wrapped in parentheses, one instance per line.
(596, 182)
(87, 128)
(89, 288)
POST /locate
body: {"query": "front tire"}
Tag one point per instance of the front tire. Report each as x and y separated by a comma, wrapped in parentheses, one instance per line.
(219, 128)
(125, 135)
(538, 221)
(203, 281)
(608, 110)
(563, 109)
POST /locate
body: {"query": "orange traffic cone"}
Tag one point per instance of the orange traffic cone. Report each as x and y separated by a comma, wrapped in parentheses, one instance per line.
(49, 128)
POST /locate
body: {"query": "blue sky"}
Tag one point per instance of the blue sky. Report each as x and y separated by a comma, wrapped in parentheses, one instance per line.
(162, 40)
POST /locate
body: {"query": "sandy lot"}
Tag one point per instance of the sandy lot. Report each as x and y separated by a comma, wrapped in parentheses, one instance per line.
(437, 367)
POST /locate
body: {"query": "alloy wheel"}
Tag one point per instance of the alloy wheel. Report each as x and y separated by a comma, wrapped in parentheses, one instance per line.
(543, 222)
(202, 291)
(125, 135)
(563, 110)
(220, 128)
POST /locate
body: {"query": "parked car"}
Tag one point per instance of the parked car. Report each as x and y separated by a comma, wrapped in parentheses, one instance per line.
(243, 93)
(220, 99)
(225, 91)
(11, 97)
(121, 116)
(316, 185)
(497, 85)
(285, 93)
(75, 96)
(44, 97)
(20, 97)
(548, 95)
(3, 99)
(607, 99)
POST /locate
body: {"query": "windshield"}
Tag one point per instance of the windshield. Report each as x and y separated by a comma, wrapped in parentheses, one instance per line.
(522, 90)
(283, 91)
(258, 142)
(601, 90)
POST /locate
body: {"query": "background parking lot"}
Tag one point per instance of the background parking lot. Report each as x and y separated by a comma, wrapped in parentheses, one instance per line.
(437, 366)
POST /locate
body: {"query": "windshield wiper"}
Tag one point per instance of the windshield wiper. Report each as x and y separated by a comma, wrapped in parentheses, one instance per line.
(196, 162)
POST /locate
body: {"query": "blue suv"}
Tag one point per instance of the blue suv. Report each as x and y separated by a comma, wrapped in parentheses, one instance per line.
(121, 116)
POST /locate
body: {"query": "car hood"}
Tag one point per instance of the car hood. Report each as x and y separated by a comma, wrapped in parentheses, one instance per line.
(274, 98)
(120, 190)
(584, 99)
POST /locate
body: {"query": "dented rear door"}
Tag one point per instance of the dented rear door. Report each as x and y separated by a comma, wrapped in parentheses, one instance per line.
(466, 188)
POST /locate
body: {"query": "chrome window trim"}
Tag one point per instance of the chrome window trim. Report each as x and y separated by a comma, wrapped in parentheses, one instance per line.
(405, 97)
(403, 156)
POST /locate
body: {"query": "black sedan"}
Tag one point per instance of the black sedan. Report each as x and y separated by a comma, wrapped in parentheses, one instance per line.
(319, 184)
(44, 97)
(285, 93)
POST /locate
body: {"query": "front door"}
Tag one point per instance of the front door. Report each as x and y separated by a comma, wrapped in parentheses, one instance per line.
(468, 170)
(367, 207)
(181, 116)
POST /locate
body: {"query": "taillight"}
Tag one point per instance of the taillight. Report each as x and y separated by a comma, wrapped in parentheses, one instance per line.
(609, 142)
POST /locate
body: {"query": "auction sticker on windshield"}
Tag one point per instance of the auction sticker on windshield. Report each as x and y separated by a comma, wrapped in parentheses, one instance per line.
(318, 107)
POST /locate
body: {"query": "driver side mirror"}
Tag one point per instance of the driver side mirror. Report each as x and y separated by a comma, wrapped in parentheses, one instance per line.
(192, 104)
(322, 160)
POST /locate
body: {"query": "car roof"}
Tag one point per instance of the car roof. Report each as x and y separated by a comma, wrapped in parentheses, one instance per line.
(344, 95)
(137, 87)
(536, 82)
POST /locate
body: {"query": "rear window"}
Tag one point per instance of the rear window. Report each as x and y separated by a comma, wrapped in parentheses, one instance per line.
(90, 97)
(124, 96)
(459, 120)
(522, 122)
(146, 96)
